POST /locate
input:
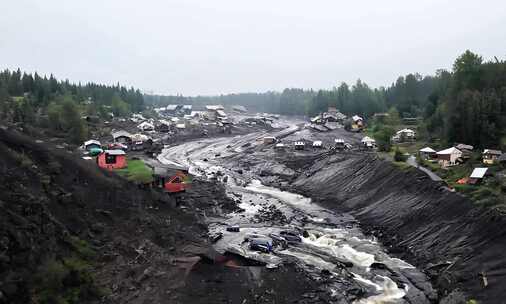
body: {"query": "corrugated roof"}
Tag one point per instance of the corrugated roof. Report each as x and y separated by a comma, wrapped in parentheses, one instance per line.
(451, 150)
(490, 151)
(92, 142)
(115, 152)
(300, 143)
(479, 173)
(464, 147)
(339, 140)
(317, 143)
(428, 150)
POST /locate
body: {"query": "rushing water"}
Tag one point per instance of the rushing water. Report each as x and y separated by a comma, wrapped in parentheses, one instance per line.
(330, 239)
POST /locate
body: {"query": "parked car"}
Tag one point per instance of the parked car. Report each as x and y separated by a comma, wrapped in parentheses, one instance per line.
(260, 244)
(291, 236)
(95, 151)
(278, 240)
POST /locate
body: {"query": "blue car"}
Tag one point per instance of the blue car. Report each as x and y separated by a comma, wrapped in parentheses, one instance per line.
(260, 244)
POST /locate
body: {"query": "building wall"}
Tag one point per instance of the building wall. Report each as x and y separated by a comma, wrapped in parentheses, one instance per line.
(119, 164)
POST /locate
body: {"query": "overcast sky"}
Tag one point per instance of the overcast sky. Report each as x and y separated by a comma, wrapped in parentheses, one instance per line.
(222, 46)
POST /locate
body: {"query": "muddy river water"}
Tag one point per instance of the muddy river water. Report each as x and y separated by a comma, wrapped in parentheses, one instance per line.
(331, 243)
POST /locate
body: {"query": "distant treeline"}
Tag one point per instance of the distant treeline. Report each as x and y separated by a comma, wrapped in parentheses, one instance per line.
(466, 104)
(60, 105)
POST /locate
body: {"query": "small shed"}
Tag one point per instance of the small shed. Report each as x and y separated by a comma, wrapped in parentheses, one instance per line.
(427, 153)
(269, 140)
(490, 156)
(318, 144)
(299, 145)
(92, 144)
(448, 157)
(112, 159)
(477, 175)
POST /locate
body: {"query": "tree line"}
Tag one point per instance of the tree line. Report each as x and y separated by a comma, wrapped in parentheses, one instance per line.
(60, 105)
(466, 104)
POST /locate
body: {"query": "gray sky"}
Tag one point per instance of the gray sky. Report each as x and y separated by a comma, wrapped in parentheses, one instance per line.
(222, 46)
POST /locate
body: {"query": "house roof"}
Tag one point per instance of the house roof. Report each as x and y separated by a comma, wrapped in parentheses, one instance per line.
(180, 126)
(280, 145)
(357, 118)
(317, 143)
(368, 139)
(221, 113)
(240, 108)
(172, 107)
(405, 131)
(451, 150)
(428, 150)
(339, 140)
(493, 152)
(464, 147)
(115, 152)
(187, 107)
(91, 142)
(299, 143)
(214, 107)
(479, 172)
(120, 134)
(145, 124)
(139, 137)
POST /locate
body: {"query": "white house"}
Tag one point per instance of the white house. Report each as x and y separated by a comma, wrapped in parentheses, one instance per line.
(449, 157)
(368, 142)
(404, 135)
(317, 144)
(427, 153)
(146, 126)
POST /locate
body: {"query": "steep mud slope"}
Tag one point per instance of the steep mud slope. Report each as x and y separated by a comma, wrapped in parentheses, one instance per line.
(71, 233)
(459, 244)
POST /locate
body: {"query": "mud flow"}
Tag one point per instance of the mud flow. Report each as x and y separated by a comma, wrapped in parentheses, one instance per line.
(275, 227)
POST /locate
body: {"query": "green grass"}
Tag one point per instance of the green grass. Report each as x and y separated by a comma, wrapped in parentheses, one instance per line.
(137, 171)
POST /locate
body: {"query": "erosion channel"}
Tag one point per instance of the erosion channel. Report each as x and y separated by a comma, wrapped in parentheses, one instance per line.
(330, 247)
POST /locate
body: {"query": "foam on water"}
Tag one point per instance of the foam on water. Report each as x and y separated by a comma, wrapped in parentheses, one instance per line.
(390, 291)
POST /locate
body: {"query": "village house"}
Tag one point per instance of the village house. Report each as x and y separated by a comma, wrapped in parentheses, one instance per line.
(404, 135)
(139, 141)
(173, 109)
(146, 126)
(477, 176)
(212, 112)
(92, 144)
(280, 146)
(112, 159)
(299, 145)
(449, 157)
(187, 109)
(318, 144)
(339, 143)
(368, 142)
(467, 150)
(490, 156)
(427, 153)
(123, 137)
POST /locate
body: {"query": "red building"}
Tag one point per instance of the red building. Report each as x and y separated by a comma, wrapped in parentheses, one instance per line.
(112, 159)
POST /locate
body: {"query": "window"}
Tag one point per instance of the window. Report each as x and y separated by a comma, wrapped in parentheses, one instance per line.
(110, 159)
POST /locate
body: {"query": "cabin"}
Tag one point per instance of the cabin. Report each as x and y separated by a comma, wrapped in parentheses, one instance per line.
(466, 150)
(92, 144)
(404, 135)
(368, 142)
(490, 156)
(212, 112)
(449, 157)
(427, 153)
(112, 159)
(299, 145)
(122, 137)
(187, 109)
(477, 176)
(339, 143)
(280, 147)
(269, 140)
(317, 144)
